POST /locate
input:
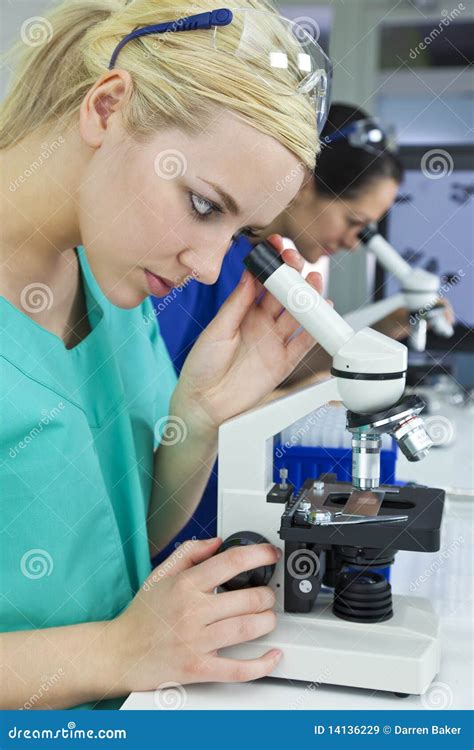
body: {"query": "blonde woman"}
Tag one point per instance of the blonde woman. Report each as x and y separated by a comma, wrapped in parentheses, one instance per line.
(129, 161)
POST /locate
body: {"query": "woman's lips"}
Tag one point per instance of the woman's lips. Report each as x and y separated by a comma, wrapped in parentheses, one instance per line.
(158, 286)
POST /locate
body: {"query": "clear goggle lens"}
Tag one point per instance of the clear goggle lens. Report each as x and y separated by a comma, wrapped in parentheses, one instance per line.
(282, 55)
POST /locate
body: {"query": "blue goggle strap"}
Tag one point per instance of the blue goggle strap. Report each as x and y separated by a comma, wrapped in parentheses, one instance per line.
(219, 17)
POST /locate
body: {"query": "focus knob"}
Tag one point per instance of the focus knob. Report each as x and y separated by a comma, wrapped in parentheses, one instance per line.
(248, 578)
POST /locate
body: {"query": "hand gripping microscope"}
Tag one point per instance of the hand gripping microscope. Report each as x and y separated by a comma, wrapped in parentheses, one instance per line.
(419, 295)
(338, 622)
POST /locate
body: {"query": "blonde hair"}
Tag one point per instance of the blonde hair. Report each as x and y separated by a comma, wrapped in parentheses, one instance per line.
(178, 78)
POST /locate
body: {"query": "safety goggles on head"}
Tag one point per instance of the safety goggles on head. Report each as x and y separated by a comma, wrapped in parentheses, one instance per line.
(279, 52)
(367, 134)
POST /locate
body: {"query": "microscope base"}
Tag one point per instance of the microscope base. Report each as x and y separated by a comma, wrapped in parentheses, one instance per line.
(400, 655)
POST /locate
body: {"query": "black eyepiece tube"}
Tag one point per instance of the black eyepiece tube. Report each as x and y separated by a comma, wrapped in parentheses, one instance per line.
(368, 232)
(262, 261)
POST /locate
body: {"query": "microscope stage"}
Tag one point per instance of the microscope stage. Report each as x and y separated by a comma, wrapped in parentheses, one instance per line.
(419, 533)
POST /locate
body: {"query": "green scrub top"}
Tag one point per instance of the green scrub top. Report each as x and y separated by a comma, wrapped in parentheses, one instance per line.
(78, 431)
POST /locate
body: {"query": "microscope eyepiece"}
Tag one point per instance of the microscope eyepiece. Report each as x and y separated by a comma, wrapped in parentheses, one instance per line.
(368, 233)
(262, 261)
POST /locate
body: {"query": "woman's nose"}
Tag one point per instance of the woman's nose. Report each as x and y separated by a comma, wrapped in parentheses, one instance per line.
(209, 266)
(351, 240)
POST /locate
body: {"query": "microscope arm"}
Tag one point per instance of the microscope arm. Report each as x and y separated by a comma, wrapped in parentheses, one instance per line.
(246, 464)
(369, 371)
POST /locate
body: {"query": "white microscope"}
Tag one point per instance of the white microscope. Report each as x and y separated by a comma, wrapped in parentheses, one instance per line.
(338, 622)
(419, 295)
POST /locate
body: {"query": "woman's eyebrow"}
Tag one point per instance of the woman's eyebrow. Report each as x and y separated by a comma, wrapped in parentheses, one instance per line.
(227, 199)
(229, 202)
(361, 219)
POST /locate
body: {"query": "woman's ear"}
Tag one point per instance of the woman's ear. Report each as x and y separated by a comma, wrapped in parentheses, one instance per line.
(309, 188)
(106, 97)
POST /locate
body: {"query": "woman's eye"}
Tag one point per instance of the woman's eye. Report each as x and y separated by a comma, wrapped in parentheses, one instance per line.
(201, 206)
(354, 223)
(249, 232)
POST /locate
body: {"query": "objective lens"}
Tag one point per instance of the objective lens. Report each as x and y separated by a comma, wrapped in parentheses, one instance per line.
(413, 439)
(366, 461)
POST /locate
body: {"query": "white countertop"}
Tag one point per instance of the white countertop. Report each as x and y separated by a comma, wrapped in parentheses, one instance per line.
(444, 577)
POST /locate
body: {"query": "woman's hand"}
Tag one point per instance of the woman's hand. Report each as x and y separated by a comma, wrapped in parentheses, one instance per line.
(397, 325)
(448, 310)
(173, 628)
(244, 353)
